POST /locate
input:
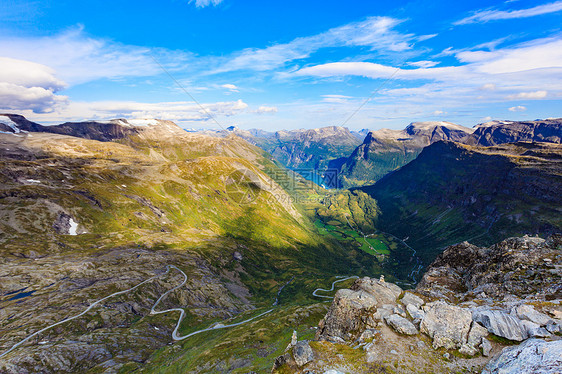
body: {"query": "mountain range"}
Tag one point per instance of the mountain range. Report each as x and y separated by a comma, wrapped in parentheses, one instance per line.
(107, 223)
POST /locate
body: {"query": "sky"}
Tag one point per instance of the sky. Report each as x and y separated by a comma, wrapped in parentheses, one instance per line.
(282, 64)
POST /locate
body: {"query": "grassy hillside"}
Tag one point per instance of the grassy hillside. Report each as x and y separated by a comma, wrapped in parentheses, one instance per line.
(216, 208)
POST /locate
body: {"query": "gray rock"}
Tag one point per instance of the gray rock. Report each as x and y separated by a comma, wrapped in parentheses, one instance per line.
(383, 312)
(486, 347)
(302, 353)
(553, 328)
(476, 334)
(416, 314)
(533, 356)
(333, 371)
(534, 330)
(447, 325)
(384, 293)
(527, 312)
(401, 324)
(501, 324)
(399, 309)
(347, 316)
(468, 350)
(367, 334)
(410, 298)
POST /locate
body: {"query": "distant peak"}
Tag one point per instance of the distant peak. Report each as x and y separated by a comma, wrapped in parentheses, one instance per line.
(429, 125)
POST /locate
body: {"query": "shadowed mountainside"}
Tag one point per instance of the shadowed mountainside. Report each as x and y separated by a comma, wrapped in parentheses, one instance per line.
(453, 192)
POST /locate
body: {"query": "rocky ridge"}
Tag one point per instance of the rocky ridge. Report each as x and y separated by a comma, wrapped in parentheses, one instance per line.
(465, 315)
(500, 132)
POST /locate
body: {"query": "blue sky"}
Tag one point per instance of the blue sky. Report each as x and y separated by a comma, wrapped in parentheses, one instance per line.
(282, 65)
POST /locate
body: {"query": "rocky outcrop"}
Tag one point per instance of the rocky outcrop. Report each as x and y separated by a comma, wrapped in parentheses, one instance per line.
(383, 292)
(348, 315)
(470, 325)
(516, 266)
(534, 356)
(447, 325)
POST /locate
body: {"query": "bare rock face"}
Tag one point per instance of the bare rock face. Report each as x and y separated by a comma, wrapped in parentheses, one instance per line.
(534, 356)
(447, 325)
(347, 316)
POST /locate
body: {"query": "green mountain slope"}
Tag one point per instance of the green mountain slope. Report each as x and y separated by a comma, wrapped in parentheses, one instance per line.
(453, 192)
(82, 219)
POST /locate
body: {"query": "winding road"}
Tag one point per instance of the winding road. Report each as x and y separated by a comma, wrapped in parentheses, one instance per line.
(84, 312)
(153, 311)
(175, 335)
(331, 289)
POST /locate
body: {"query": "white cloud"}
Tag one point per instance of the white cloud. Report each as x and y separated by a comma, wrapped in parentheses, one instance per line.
(77, 58)
(266, 110)
(27, 85)
(529, 95)
(439, 112)
(204, 3)
(423, 64)
(37, 99)
(336, 99)
(488, 87)
(230, 87)
(377, 33)
(518, 108)
(492, 15)
(525, 71)
(180, 111)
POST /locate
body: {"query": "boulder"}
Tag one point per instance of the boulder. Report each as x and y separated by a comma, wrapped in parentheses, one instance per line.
(416, 314)
(401, 324)
(534, 330)
(384, 293)
(347, 316)
(476, 334)
(486, 347)
(410, 298)
(447, 325)
(528, 312)
(533, 356)
(302, 353)
(501, 324)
